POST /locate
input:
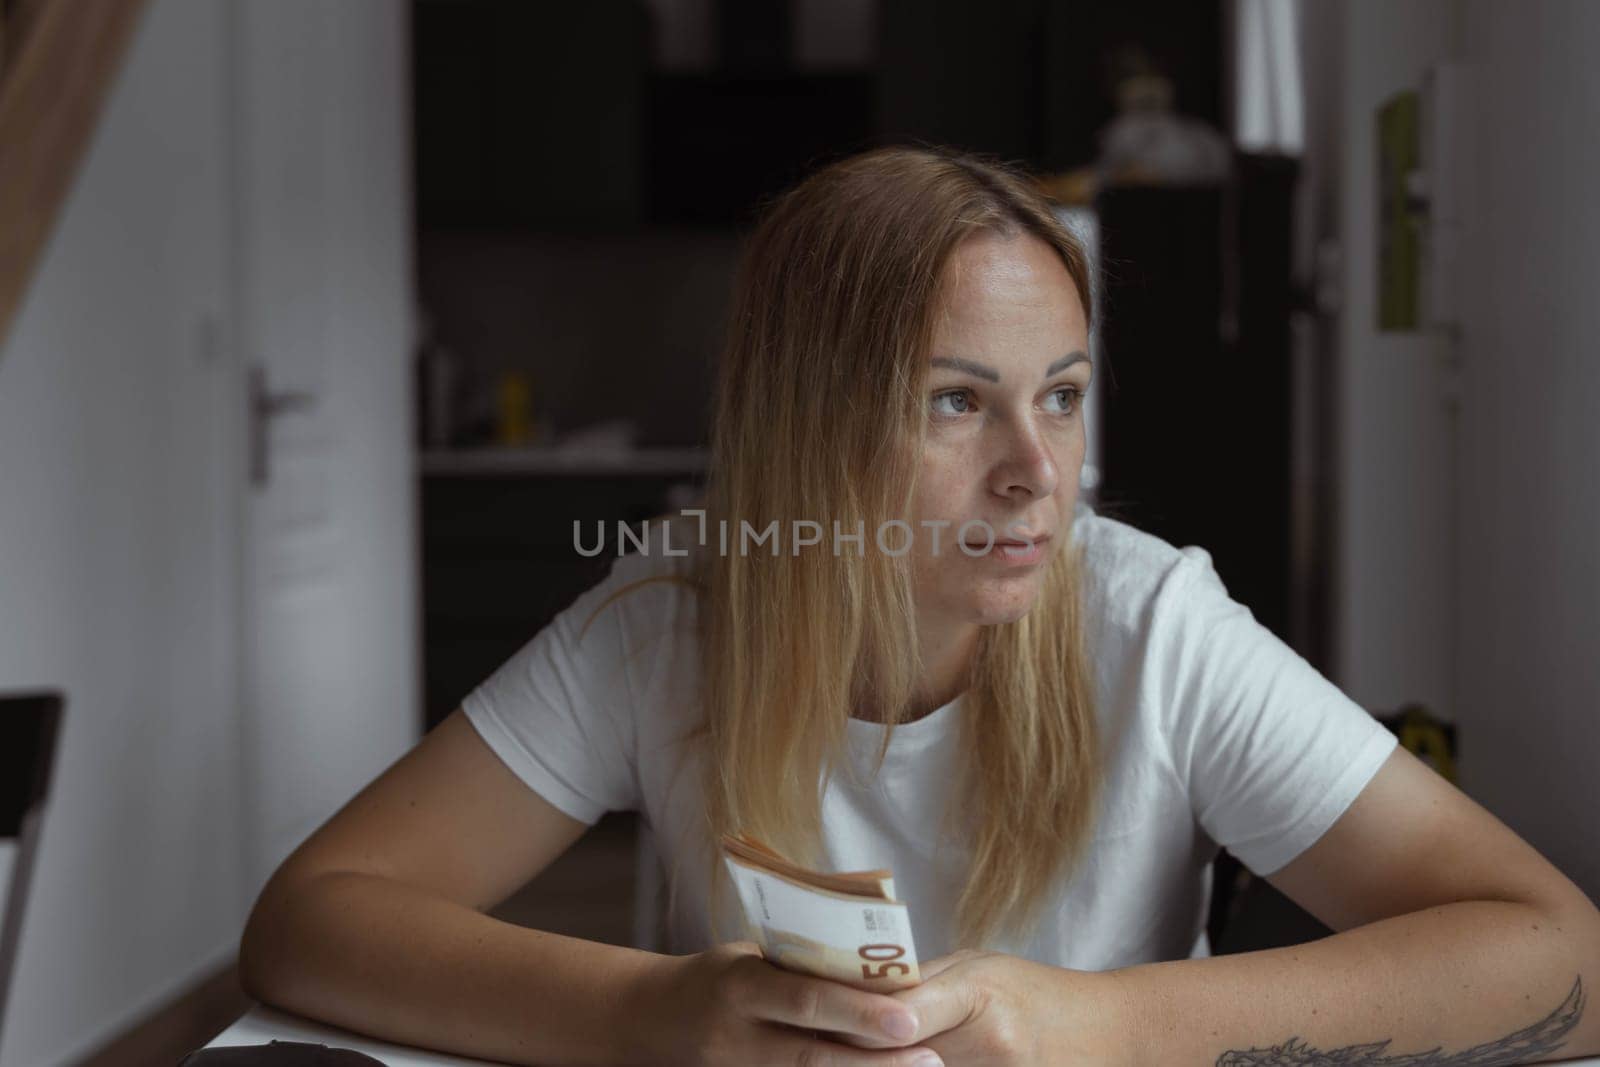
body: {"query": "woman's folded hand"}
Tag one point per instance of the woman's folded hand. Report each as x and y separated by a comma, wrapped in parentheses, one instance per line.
(990, 1008)
(730, 1006)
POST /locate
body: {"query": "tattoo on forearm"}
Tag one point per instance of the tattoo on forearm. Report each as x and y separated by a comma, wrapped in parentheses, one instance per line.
(1523, 1046)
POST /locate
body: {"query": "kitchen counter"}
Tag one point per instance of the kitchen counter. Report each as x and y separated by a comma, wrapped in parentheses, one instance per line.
(547, 460)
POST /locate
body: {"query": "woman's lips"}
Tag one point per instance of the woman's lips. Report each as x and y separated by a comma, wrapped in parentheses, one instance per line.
(1011, 550)
(1031, 539)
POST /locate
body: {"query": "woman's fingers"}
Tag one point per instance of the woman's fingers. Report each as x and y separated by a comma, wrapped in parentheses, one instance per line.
(820, 1052)
(821, 1004)
(941, 1003)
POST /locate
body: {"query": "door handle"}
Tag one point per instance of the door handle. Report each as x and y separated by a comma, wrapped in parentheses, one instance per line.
(266, 405)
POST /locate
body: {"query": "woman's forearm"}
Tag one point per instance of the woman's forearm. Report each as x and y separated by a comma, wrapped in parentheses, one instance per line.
(1473, 982)
(380, 957)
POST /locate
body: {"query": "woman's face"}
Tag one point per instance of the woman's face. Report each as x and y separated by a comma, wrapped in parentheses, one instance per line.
(1005, 438)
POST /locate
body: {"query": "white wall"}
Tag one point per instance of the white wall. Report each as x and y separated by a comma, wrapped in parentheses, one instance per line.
(1469, 543)
(1530, 437)
(121, 465)
(1394, 577)
(116, 541)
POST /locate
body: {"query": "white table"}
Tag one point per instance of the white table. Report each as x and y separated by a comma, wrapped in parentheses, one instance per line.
(263, 1024)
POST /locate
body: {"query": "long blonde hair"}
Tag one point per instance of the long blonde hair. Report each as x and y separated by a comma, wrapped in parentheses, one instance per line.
(820, 411)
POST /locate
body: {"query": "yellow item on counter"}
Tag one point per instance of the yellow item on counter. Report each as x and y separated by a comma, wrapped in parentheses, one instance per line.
(514, 404)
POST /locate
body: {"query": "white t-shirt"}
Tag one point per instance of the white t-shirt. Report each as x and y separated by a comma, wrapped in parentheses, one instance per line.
(1214, 733)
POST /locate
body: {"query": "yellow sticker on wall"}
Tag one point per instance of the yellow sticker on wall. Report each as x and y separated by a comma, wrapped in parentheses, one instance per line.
(1399, 214)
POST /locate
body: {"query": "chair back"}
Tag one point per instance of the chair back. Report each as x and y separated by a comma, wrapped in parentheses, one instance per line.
(29, 725)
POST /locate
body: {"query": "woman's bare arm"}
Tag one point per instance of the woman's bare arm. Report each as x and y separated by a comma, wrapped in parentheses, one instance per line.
(376, 923)
(384, 958)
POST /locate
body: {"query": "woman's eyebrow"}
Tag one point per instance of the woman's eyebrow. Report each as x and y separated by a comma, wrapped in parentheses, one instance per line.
(1064, 362)
(989, 374)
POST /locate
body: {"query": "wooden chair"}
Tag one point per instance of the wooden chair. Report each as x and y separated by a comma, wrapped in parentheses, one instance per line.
(29, 725)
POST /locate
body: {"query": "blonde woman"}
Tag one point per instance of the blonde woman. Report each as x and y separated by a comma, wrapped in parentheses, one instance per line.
(894, 638)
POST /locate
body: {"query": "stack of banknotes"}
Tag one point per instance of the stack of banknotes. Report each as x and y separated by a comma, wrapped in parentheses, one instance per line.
(846, 926)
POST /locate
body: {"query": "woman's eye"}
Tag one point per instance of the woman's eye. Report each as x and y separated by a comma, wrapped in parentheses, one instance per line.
(1073, 396)
(954, 402)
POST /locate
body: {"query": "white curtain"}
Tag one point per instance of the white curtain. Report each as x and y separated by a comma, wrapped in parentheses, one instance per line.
(1268, 95)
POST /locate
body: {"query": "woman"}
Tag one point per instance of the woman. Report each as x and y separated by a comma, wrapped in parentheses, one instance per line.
(894, 638)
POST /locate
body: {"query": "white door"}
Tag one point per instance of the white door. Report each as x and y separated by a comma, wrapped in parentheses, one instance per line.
(323, 312)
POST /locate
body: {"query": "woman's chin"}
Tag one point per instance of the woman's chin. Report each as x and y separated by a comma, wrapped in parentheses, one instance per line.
(983, 601)
(997, 607)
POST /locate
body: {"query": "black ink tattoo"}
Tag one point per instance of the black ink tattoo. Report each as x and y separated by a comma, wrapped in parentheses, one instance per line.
(1532, 1043)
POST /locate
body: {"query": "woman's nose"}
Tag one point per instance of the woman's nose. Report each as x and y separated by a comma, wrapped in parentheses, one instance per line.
(1027, 468)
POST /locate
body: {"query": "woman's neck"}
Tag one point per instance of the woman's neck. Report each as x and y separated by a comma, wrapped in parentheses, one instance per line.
(947, 655)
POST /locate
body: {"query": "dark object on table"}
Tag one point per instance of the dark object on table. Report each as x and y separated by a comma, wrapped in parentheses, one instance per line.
(279, 1054)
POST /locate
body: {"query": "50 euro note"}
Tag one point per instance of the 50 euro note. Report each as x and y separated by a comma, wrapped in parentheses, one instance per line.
(847, 927)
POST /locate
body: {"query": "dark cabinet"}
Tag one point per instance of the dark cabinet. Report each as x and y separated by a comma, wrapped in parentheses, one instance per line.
(556, 117)
(530, 114)
(1195, 384)
(498, 561)
(551, 118)
(718, 144)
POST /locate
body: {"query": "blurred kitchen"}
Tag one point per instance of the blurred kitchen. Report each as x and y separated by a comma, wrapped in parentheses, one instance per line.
(321, 324)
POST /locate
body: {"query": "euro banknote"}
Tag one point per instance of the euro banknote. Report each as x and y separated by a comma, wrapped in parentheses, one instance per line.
(845, 926)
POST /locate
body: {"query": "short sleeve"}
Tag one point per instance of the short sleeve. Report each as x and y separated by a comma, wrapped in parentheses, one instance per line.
(1270, 751)
(560, 712)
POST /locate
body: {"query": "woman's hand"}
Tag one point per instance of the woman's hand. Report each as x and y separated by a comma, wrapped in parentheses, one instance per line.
(990, 1008)
(729, 1005)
